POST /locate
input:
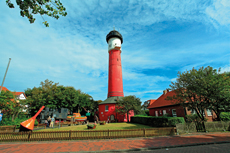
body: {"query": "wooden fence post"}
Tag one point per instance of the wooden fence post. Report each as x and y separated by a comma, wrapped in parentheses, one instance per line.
(14, 128)
(108, 132)
(144, 132)
(70, 133)
(29, 134)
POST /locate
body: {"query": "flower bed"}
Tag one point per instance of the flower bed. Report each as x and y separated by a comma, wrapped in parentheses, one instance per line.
(91, 126)
(102, 122)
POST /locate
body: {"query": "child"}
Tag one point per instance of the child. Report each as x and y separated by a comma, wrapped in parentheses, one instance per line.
(46, 122)
(52, 122)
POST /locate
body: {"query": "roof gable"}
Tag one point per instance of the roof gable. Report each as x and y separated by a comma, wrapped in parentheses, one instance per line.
(161, 101)
(151, 101)
(21, 95)
(4, 88)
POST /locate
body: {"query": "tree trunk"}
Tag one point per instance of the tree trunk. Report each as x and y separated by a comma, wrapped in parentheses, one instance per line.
(16, 116)
(12, 119)
(218, 116)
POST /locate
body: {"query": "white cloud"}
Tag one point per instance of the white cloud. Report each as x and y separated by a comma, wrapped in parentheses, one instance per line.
(220, 11)
(225, 69)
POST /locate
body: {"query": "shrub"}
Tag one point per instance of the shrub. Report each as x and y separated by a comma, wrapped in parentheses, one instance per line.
(91, 125)
(194, 118)
(147, 112)
(166, 115)
(7, 121)
(225, 116)
(157, 121)
(141, 112)
(172, 121)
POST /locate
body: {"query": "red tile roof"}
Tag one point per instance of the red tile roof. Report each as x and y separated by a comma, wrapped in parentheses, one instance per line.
(4, 88)
(15, 93)
(19, 93)
(161, 101)
(151, 101)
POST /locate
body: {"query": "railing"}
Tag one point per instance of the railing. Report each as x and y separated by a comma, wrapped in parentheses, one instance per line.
(80, 135)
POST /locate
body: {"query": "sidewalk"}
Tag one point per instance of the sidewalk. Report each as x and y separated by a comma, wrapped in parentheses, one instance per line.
(116, 145)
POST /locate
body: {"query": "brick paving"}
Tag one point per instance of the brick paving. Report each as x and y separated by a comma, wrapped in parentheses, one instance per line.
(128, 144)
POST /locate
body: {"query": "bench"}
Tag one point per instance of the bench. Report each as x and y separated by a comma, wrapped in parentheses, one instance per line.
(40, 125)
(10, 128)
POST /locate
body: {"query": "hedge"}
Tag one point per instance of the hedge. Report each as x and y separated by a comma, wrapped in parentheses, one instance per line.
(157, 121)
(225, 116)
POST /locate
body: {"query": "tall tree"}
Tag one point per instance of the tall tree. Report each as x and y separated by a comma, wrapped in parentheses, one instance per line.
(28, 8)
(54, 96)
(202, 89)
(43, 95)
(128, 103)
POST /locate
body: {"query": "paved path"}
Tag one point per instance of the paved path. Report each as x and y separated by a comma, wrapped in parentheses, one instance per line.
(116, 145)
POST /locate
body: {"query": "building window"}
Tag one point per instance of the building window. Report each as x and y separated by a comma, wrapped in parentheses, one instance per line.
(106, 108)
(174, 113)
(164, 112)
(209, 112)
(160, 112)
(156, 113)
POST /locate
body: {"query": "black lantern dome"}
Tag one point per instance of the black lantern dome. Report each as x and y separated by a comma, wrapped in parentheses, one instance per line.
(112, 34)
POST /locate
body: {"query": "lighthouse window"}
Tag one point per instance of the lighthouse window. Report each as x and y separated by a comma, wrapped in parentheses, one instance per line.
(106, 108)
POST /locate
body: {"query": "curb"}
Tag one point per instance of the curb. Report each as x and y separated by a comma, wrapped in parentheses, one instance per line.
(152, 148)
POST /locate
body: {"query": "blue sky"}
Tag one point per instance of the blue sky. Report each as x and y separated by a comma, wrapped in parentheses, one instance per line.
(161, 37)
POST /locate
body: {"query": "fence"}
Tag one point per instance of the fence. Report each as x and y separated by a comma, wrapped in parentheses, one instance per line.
(209, 126)
(81, 135)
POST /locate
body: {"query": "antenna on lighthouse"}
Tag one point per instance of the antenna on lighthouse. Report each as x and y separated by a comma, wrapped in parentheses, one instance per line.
(113, 27)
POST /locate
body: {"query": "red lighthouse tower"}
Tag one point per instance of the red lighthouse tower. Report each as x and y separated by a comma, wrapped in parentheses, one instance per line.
(115, 83)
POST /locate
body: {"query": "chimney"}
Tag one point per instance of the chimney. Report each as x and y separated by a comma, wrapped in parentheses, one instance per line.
(165, 91)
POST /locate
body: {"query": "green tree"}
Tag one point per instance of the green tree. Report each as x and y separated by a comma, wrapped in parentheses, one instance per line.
(202, 89)
(127, 104)
(54, 96)
(9, 106)
(28, 8)
(43, 96)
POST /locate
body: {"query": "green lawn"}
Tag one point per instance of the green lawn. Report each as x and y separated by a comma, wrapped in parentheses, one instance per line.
(110, 126)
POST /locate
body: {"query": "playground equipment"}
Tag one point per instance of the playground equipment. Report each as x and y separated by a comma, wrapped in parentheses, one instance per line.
(77, 118)
(28, 125)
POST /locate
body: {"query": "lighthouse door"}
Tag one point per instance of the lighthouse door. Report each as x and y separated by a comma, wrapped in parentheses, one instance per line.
(112, 118)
